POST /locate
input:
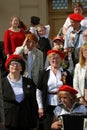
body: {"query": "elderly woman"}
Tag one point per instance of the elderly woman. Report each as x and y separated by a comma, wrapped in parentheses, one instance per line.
(49, 81)
(20, 105)
(68, 105)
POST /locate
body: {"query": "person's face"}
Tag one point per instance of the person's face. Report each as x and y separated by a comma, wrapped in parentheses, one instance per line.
(78, 10)
(55, 60)
(15, 22)
(85, 53)
(31, 44)
(85, 36)
(15, 67)
(41, 31)
(58, 43)
(74, 23)
(65, 98)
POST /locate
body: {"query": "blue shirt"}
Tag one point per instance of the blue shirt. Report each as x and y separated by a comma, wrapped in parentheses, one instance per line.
(77, 40)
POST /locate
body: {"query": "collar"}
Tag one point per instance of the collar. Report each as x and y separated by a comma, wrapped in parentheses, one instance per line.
(82, 28)
(49, 68)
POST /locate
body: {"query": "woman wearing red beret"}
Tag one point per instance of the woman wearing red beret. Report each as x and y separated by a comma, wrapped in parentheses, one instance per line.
(68, 105)
(49, 81)
(20, 105)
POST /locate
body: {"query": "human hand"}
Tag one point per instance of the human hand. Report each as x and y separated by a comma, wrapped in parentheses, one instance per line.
(41, 112)
(56, 125)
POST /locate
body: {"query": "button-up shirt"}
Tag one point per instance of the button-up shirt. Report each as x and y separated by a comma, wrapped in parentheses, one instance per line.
(77, 40)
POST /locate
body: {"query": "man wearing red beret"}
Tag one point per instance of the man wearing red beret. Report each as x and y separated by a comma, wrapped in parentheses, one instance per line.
(74, 37)
(77, 8)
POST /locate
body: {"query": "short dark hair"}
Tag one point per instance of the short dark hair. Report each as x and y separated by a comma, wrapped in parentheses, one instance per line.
(35, 20)
(78, 4)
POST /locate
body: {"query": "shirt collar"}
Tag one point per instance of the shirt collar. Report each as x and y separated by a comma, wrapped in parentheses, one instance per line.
(49, 68)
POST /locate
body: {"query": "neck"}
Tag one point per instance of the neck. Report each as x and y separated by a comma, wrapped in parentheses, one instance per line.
(77, 28)
(14, 28)
(14, 77)
(86, 62)
(55, 69)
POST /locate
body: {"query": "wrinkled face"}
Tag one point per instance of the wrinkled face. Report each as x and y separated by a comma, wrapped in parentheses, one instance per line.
(31, 44)
(65, 97)
(55, 60)
(78, 10)
(15, 22)
(15, 67)
(85, 53)
(74, 23)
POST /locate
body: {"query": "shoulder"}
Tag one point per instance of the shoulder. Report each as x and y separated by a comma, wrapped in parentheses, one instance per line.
(3, 79)
(57, 111)
(7, 31)
(78, 66)
(81, 108)
(44, 73)
(38, 51)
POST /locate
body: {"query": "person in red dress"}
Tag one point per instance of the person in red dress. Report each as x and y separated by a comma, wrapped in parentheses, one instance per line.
(13, 36)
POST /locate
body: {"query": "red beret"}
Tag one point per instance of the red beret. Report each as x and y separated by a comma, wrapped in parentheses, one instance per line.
(61, 54)
(67, 88)
(58, 38)
(10, 58)
(76, 17)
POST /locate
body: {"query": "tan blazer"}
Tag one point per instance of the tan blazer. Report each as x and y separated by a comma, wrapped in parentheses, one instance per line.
(37, 62)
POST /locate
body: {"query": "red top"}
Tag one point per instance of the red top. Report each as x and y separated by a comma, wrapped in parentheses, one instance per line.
(13, 40)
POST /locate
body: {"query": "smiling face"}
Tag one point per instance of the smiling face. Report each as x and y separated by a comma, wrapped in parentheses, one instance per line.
(55, 60)
(15, 67)
(66, 98)
(31, 44)
(15, 21)
(85, 53)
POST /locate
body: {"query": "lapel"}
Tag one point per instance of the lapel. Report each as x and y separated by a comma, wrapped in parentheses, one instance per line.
(9, 90)
(35, 57)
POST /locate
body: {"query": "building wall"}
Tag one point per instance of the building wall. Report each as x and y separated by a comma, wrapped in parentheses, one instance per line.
(24, 9)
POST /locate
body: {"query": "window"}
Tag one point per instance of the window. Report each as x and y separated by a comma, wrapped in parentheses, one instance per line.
(63, 4)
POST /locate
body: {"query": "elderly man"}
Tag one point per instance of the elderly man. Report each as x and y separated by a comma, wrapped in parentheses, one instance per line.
(74, 35)
(78, 8)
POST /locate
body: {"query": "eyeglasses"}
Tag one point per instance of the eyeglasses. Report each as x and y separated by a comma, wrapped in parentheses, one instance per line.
(13, 63)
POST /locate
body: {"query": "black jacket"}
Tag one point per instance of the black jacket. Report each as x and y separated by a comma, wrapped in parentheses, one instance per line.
(42, 84)
(23, 114)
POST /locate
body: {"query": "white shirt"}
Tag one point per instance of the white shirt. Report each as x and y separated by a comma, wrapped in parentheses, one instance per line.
(54, 82)
(17, 88)
(30, 63)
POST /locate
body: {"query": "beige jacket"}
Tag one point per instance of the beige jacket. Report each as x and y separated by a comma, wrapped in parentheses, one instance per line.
(79, 79)
(37, 62)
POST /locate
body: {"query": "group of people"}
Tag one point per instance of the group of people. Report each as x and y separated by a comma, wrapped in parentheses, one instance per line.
(45, 78)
